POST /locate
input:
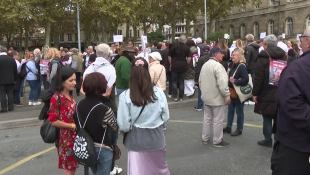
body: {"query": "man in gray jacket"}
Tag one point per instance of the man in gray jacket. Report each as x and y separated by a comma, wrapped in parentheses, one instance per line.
(213, 82)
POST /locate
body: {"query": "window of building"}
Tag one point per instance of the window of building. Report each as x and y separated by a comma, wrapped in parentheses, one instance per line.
(69, 37)
(242, 30)
(130, 33)
(271, 27)
(289, 26)
(256, 30)
(120, 32)
(290, 0)
(52, 39)
(308, 22)
(61, 37)
(138, 33)
(271, 2)
(16, 43)
(179, 29)
(76, 38)
(231, 9)
(243, 7)
(96, 36)
(231, 31)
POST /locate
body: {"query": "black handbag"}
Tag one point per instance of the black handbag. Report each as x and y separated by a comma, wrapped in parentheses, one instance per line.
(125, 134)
(48, 132)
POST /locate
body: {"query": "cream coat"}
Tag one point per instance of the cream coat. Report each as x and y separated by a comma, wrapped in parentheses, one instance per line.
(158, 74)
(213, 82)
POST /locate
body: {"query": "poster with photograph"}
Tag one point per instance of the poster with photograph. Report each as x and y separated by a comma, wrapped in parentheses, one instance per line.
(275, 69)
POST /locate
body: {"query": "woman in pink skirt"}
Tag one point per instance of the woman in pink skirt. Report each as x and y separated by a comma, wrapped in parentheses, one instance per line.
(142, 113)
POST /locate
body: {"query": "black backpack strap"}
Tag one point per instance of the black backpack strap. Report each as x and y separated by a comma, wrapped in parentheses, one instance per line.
(139, 114)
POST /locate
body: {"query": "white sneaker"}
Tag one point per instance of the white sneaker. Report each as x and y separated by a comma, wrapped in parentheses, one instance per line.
(36, 103)
(169, 96)
(30, 103)
(116, 170)
(251, 103)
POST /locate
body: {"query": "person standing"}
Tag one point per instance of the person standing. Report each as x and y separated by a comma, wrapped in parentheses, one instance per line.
(18, 82)
(8, 72)
(32, 80)
(281, 44)
(213, 82)
(63, 119)
(44, 72)
(164, 52)
(123, 67)
(291, 150)
(54, 66)
(101, 122)
(179, 59)
(238, 75)
(103, 66)
(142, 113)
(157, 71)
(75, 56)
(265, 95)
(223, 46)
(201, 61)
(86, 59)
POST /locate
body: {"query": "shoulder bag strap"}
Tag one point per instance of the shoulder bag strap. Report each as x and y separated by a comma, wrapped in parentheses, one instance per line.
(159, 75)
(77, 114)
(139, 114)
(236, 70)
(268, 55)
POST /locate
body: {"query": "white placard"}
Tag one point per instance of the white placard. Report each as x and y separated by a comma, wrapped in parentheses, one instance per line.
(262, 35)
(283, 35)
(226, 36)
(117, 38)
(143, 43)
(195, 40)
(144, 38)
(297, 37)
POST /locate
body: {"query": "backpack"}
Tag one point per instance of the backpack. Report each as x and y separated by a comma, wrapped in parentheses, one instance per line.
(275, 69)
(23, 72)
(84, 149)
(74, 64)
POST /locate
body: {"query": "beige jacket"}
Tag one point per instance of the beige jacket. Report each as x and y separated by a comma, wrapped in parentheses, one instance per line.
(213, 82)
(158, 74)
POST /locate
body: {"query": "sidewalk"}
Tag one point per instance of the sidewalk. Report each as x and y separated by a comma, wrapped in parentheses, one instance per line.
(27, 116)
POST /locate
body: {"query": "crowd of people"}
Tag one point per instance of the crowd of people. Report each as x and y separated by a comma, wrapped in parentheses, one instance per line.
(223, 76)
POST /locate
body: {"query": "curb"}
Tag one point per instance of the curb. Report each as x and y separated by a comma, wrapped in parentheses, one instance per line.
(32, 122)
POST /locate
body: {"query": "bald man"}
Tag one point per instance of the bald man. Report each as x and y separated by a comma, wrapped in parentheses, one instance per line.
(291, 151)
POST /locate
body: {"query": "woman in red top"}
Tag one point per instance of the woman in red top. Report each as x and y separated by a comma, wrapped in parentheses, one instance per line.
(65, 82)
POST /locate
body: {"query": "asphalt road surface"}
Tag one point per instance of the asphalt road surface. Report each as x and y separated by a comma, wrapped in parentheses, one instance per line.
(21, 148)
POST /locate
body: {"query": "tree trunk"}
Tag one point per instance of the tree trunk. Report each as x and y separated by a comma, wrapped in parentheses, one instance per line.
(21, 39)
(144, 27)
(48, 33)
(8, 39)
(86, 38)
(56, 41)
(104, 37)
(26, 37)
(134, 28)
(160, 27)
(127, 29)
(212, 23)
(173, 23)
(187, 27)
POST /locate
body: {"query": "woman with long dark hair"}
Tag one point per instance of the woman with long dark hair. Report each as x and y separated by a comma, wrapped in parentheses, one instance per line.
(61, 116)
(142, 113)
(189, 78)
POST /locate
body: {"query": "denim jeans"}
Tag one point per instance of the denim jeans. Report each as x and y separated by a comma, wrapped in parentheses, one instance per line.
(238, 107)
(200, 102)
(16, 97)
(34, 89)
(267, 128)
(178, 77)
(105, 162)
(119, 91)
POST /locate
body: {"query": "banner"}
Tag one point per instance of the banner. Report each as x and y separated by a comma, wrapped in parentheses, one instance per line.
(275, 69)
(117, 38)
(262, 35)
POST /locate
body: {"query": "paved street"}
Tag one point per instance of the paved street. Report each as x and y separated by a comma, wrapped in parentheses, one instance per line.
(186, 154)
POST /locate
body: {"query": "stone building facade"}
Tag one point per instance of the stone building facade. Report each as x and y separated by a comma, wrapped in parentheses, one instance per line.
(294, 18)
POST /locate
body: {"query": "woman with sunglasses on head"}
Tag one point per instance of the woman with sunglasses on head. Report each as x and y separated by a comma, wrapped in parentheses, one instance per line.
(32, 80)
(142, 113)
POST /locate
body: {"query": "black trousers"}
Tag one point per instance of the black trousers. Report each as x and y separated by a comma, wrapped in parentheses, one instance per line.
(78, 82)
(7, 91)
(46, 84)
(169, 77)
(286, 161)
(178, 77)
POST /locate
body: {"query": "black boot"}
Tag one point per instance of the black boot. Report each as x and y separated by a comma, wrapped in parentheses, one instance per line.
(227, 130)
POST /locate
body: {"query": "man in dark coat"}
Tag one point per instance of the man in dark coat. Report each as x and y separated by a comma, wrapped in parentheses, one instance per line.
(8, 72)
(292, 147)
(164, 52)
(264, 95)
(251, 53)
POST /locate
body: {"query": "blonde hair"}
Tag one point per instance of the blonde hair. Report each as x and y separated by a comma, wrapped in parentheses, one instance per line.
(30, 53)
(55, 53)
(240, 54)
(239, 44)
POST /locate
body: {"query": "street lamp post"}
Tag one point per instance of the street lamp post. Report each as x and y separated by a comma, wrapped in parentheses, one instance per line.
(205, 19)
(78, 26)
